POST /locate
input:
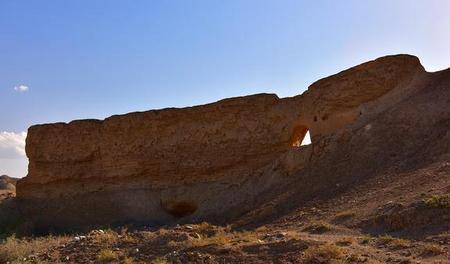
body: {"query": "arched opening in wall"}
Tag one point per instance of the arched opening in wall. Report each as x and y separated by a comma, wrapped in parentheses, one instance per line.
(300, 137)
(181, 208)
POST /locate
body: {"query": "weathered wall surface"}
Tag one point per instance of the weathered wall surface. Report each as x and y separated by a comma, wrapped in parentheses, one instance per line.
(192, 163)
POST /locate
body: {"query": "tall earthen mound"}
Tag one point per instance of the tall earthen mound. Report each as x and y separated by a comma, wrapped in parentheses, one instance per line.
(223, 160)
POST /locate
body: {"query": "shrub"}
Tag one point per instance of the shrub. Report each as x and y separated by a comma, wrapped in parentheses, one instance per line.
(438, 201)
(323, 254)
(219, 238)
(392, 242)
(344, 215)
(352, 258)
(347, 241)
(159, 260)
(107, 255)
(318, 227)
(432, 250)
(365, 240)
(127, 260)
(108, 239)
(13, 249)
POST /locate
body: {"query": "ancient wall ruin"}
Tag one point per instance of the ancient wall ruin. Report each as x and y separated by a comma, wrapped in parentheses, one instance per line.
(208, 161)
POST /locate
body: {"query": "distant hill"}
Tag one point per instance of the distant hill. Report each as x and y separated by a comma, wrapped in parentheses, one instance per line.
(4, 179)
(7, 186)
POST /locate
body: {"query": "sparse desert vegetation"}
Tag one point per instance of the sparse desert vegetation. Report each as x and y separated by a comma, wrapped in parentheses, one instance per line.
(392, 242)
(318, 227)
(438, 201)
(324, 254)
(16, 250)
(344, 215)
(311, 240)
(432, 250)
(107, 256)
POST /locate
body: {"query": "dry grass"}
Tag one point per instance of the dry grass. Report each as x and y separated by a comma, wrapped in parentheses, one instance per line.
(159, 260)
(262, 229)
(220, 237)
(392, 242)
(365, 240)
(344, 215)
(13, 250)
(107, 255)
(352, 258)
(128, 260)
(323, 254)
(432, 250)
(438, 201)
(318, 227)
(108, 239)
(345, 242)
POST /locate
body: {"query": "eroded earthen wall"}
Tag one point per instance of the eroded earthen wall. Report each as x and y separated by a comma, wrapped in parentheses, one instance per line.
(200, 161)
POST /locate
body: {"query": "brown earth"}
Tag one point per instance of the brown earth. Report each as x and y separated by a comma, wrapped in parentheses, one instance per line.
(373, 187)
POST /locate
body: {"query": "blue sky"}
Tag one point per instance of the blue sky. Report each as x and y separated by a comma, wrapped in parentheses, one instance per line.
(64, 60)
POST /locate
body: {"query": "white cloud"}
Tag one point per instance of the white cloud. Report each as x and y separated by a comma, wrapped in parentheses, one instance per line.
(12, 145)
(21, 88)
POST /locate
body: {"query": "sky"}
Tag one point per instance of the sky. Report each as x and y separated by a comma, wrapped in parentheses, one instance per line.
(76, 59)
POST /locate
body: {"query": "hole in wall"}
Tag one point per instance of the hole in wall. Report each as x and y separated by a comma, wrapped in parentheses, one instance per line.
(181, 209)
(300, 137)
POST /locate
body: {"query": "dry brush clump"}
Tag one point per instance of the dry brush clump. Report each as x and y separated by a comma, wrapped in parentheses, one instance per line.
(318, 227)
(159, 260)
(432, 250)
(107, 256)
(128, 260)
(108, 238)
(19, 250)
(324, 254)
(365, 240)
(392, 242)
(220, 238)
(438, 201)
(345, 242)
(344, 215)
(205, 234)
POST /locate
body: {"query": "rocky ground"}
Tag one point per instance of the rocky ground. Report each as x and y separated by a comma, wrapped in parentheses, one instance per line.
(393, 218)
